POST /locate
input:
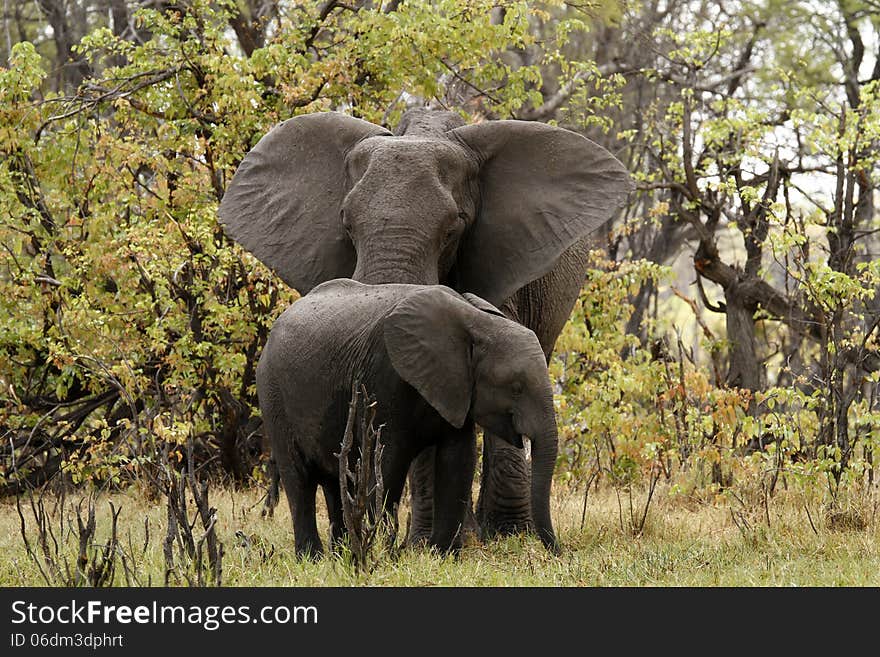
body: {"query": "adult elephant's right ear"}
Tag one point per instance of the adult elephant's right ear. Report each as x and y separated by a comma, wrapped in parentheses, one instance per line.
(284, 201)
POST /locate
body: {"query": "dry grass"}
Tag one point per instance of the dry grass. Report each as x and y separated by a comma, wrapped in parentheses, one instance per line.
(684, 543)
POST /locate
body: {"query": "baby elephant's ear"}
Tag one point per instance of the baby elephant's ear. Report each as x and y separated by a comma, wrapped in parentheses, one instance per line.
(430, 348)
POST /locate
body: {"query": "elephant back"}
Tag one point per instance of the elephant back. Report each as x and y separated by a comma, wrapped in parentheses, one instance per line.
(338, 319)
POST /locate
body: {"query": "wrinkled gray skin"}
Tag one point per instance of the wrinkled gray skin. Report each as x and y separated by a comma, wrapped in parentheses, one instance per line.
(435, 362)
(503, 209)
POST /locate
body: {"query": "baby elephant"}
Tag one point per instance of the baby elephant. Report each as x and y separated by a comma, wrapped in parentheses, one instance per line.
(436, 362)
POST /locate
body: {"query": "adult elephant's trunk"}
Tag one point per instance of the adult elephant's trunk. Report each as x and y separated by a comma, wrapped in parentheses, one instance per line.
(544, 447)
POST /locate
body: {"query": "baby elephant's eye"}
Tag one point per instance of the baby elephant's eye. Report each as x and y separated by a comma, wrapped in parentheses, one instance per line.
(517, 388)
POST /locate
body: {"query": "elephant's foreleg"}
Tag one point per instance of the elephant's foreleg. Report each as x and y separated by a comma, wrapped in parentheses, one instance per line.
(454, 460)
(504, 505)
(394, 470)
(421, 485)
(333, 498)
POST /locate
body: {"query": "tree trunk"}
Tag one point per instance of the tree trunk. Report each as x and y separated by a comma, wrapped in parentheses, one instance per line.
(745, 369)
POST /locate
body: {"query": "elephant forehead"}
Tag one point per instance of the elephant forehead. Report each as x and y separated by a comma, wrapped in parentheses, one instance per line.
(439, 155)
(510, 337)
(346, 291)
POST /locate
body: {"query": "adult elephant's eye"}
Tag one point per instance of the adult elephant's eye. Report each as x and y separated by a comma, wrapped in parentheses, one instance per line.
(456, 227)
(517, 388)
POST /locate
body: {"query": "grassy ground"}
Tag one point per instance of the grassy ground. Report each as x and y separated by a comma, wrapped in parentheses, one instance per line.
(684, 543)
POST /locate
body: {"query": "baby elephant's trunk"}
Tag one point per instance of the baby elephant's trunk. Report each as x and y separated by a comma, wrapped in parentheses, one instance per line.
(544, 448)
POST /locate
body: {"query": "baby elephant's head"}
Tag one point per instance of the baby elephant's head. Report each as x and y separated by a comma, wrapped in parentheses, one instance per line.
(465, 358)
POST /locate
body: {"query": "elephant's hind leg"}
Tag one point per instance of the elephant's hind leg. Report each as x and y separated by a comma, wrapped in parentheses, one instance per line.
(305, 524)
(299, 485)
(421, 486)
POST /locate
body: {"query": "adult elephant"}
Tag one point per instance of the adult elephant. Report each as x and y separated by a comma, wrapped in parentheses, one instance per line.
(501, 209)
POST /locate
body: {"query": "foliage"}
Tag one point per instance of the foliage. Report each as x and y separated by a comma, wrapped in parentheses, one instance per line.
(607, 382)
(130, 324)
(630, 413)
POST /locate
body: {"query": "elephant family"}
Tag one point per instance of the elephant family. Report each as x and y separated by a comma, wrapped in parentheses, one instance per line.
(502, 209)
(435, 362)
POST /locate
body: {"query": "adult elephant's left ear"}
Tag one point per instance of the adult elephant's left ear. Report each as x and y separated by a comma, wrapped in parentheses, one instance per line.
(541, 190)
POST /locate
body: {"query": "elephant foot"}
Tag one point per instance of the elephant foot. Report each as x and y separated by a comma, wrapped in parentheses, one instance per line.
(309, 551)
(502, 523)
(493, 524)
(504, 504)
(420, 534)
(446, 545)
(419, 538)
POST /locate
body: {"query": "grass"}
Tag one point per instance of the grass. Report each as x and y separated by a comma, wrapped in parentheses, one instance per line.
(684, 543)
